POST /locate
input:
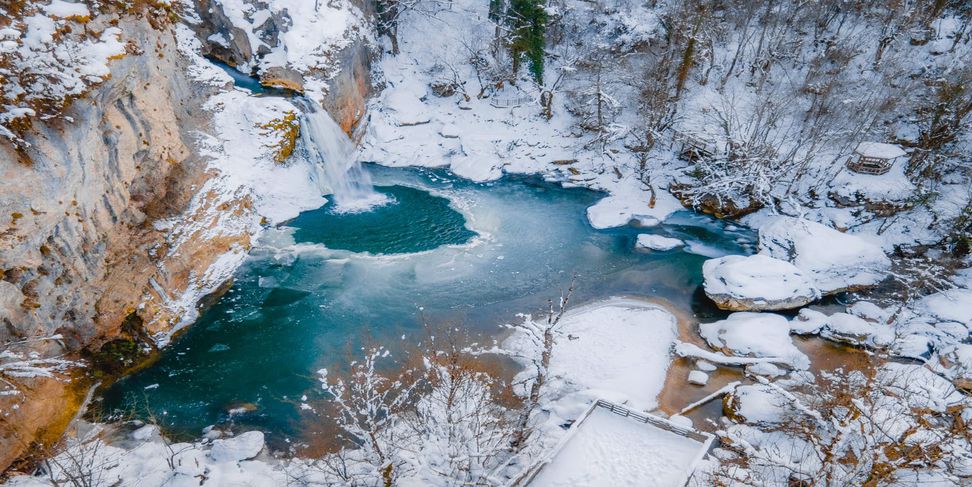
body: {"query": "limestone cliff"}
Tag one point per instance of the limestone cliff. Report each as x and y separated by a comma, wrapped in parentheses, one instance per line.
(111, 227)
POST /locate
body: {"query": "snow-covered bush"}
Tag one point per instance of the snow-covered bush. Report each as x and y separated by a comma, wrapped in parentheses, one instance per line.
(439, 424)
(895, 424)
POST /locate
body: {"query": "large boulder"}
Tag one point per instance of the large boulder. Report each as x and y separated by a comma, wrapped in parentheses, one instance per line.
(835, 261)
(757, 283)
(757, 335)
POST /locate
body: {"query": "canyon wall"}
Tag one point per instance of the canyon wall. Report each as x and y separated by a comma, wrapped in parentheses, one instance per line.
(107, 222)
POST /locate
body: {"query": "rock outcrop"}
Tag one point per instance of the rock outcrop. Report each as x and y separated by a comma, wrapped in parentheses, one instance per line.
(757, 283)
(82, 253)
(112, 230)
(270, 39)
(835, 261)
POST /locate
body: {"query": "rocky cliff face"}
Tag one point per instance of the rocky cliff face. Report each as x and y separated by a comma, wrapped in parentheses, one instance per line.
(78, 244)
(266, 39)
(110, 219)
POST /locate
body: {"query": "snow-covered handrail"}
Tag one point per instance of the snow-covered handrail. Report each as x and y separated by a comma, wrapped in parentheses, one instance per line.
(511, 102)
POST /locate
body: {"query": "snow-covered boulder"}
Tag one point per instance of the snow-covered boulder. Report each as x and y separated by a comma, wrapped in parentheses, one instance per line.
(835, 261)
(747, 334)
(756, 283)
(618, 349)
(242, 447)
(953, 305)
(847, 328)
(808, 322)
(657, 242)
(697, 377)
(755, 403)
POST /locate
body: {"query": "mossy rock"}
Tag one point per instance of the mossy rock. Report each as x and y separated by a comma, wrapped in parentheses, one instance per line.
(121, 354)
(285, 130)
(116, 356)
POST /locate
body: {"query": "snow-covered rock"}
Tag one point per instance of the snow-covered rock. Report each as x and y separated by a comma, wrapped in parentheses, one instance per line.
(808, 322)
(747, 334)
(618, 349)
(657, 242)
(242, 447)
(698, 378)
(616, 344)
(756, 282)
(835, 261)
(953, 305)
(755, 403)
(847, 328)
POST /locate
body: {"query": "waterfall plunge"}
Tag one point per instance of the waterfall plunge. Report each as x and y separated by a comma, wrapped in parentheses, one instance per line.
(332, 154)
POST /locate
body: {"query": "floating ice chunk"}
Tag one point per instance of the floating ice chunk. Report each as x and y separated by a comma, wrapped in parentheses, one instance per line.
(657, 242)
(705, 366)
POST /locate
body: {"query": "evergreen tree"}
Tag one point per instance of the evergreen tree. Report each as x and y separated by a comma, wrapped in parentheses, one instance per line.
(528, 24)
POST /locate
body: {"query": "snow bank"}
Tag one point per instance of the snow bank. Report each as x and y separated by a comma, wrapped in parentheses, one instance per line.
(243, 447)
(756, 282)
(144, 462)
(851, 188)
(835, 261)
(618, 345)
(755, 335)
(612, 450)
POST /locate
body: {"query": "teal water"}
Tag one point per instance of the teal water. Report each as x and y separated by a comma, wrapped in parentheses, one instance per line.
(446, 251)
(412, 221)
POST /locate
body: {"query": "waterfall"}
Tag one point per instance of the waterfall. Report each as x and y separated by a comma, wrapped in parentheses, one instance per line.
(331, 152)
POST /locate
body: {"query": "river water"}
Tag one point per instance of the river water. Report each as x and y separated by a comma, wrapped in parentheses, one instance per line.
(442, 250)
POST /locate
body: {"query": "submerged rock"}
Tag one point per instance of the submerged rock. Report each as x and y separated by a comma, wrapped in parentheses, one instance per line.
(835, 261)
(757, 283)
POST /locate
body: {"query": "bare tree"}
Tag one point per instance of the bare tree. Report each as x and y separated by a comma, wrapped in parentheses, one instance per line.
(868, 428)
